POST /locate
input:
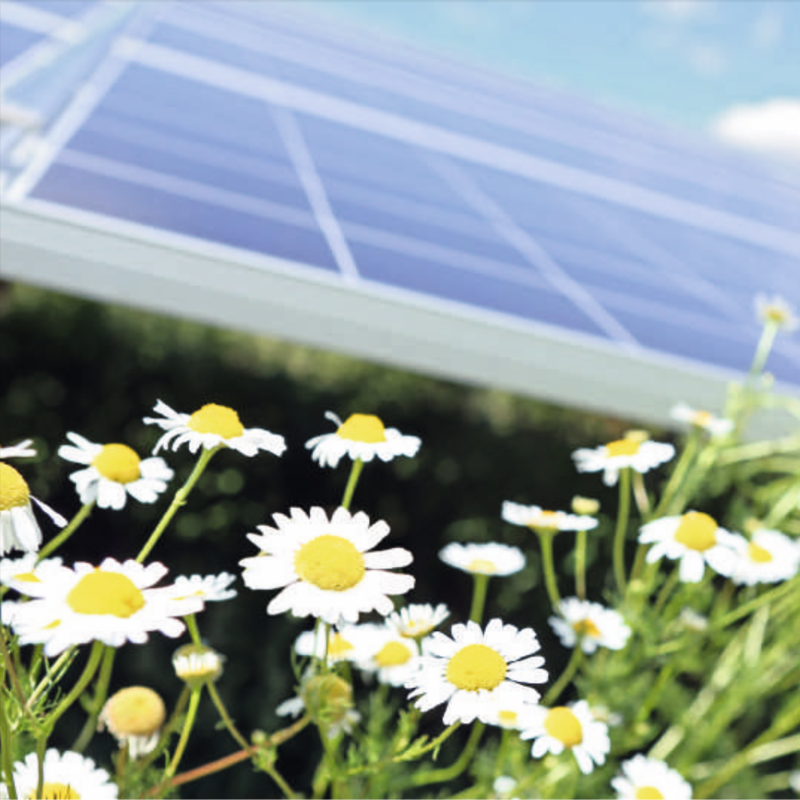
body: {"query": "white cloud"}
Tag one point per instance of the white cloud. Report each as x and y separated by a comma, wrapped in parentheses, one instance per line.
(771, 127)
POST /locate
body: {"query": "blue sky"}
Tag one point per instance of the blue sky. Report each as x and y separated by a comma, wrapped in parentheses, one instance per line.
(683, 62)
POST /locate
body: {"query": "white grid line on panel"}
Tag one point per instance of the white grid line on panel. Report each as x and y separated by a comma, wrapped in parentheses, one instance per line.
(372, 72)
(303, 162)
(531, 250)
(468, 148)
(192, 190)
(85, 100)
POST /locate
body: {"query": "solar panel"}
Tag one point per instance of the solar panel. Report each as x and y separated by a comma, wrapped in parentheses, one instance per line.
(250, 166)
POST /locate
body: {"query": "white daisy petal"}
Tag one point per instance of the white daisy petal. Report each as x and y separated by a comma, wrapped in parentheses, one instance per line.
(211, 426)
(490, 558)
(590, 623)
(537, 518)
(769, 557)
(648, 777)
(616, 455)
(66, 775)
(323, 568)
(361, 436)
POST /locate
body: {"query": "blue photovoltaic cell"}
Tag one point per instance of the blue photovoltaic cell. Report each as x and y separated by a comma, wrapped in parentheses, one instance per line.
(14, 41)
(533, 301)
(206, 221)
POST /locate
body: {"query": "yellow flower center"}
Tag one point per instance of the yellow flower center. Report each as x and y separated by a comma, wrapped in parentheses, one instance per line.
(363, 428)
(56, 791)
(134, 711)
(475, 667)
(221, 420)
(775, 313)
(392, 654)
(507, 718)
(702, 418)
(758, 554)
(648, 793)
(338, 646)
(101, 592)
(546, 519)
(697, 531)
(14, 492)
(562, 724)
(482, 565)
(330, 562)
(622, 447)
(585, 627)
(118, 463)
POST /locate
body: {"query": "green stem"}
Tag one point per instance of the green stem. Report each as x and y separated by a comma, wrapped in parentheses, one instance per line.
(6, 744)
(355, 472)
(194, 632)
(666, 590)
(679, 473)
(100, 695)
(650, 701)
(580, 564)
(554, 692)
(743, 610)
(622, 527)
(546, 539)
(177, 501)
(223, 713)
(458, 766)
(640, 495)
(191, 714)
(77, 690)
(783, 507)
(479, 587)
(62, 537)
(763, 348)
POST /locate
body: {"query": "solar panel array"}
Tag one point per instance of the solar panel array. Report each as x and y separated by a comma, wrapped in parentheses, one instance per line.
(400, 174)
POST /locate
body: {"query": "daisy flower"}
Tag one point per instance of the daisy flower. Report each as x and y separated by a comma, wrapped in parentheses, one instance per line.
(614, 456)
(572, 728)
(134, 716)
(476, 669)
(590, 624)
(18, 527)
(507, 715)
(490, 558)
(395, 658)
(344, 644)
(769, 557)
(211, 426)
(113, 472)
(20, 450)
(363, 437)
(538, 518)
(695, 539)
(716, 426)
(197, 664)
(65, 775)
(209, 588)
(418, 619)
(647, 777)
(777, 311)
(112, 603)
(325, 565)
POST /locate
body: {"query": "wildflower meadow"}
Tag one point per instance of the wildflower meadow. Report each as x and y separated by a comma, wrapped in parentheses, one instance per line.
(653, 651)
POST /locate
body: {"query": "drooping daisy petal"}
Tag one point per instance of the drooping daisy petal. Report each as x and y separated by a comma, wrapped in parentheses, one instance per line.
(112, 603)
(614, 456)
(18, 527)
(769, 557)
(114, 471)
(571, 727)
(65, 775)
(776, 311)
(643, 777)
(490, 558)
(537, 518)
(209, 427)
(134, 715)
(474, 670)
(590, 624)
(326, 566)
(209, 588)
(362, 436)
(693, 538)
